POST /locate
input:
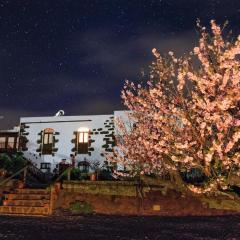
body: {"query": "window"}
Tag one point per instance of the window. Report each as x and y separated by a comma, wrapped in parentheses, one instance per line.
(2, 142)
(47, 142)
(45, 166)
(10, 143)
(83, 137)
(82, 140)
(84, 166)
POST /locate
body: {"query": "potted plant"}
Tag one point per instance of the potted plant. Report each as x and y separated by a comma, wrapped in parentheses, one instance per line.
(3, 173)
(21, 185)
(93, 176)
(57, 187)
(95, 166)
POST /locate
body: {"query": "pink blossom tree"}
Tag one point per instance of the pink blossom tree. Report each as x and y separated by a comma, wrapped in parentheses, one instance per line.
(187, 115)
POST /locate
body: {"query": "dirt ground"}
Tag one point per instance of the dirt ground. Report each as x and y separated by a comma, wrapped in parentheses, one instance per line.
(119, 228)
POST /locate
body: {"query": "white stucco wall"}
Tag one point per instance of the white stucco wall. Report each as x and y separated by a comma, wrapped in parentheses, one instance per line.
(123, 116)
(66, 126)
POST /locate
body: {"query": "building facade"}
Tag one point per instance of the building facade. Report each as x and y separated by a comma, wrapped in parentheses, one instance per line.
(47, 141)
(9, 141)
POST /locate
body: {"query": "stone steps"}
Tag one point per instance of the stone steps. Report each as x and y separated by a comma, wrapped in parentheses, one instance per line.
(31, 191)
(24, 210)
(26, 201)
(14, 196)
(29, 203)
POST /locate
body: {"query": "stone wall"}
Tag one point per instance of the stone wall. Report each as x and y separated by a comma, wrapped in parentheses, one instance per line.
(118, 188)
(127, 198)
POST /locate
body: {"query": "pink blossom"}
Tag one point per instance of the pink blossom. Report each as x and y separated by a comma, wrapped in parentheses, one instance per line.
(186, 115)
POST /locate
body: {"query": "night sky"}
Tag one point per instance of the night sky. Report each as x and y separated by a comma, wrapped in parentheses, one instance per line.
(75, 55)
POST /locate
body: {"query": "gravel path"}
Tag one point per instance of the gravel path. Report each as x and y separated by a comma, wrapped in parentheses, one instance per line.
(119, 228)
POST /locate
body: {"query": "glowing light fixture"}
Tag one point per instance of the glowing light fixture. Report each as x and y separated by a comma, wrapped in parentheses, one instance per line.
(83, 129)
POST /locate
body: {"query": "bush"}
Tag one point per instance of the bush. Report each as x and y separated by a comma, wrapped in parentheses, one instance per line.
(236, 190)
(194, 176)
(81, 208)
(75, 174)
(84, 176)
(12, 164)
(5, 162)
(105, 174)
(18, 162)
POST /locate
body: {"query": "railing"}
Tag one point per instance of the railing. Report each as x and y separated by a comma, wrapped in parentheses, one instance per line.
(27, 170)
(23, 170)
(32, 170)
(37, 173)
(52, 186)
(68, 171)
(10, 145)
(8, 148)
(2, 145)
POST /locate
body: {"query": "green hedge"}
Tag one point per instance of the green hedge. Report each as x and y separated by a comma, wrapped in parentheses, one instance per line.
(12, 164)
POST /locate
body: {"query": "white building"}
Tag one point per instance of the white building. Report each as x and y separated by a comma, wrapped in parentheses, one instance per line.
(9, 140)
(46, 141)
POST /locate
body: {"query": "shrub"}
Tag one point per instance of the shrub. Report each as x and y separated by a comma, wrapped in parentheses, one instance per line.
(75, 174)
(105, 174)
(194, 176)
(18, 162)
(12, 164)
(81, 208)
(84, 176)
(5, 162)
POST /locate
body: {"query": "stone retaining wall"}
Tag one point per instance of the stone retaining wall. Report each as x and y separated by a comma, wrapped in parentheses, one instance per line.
(118, 188)
(124, 198)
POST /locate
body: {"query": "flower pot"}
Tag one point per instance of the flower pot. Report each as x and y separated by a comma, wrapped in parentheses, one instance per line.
(3, 173)
(93, 177)
(21, 185)
(57, 187)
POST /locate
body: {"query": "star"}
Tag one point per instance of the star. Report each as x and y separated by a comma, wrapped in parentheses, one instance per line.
(75, 50)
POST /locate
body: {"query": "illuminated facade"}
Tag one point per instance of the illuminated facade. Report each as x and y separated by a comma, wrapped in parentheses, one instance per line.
(46, 141)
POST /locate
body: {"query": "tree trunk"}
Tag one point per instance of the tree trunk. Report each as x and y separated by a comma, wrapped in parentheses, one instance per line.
(177, 180)
(207, 171)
